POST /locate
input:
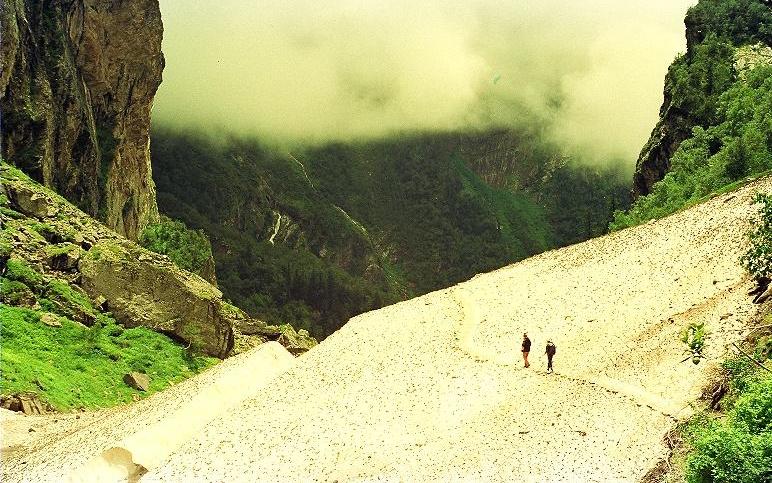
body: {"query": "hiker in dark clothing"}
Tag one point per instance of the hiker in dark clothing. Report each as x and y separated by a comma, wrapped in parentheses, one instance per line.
(526, 349)
(551, 349)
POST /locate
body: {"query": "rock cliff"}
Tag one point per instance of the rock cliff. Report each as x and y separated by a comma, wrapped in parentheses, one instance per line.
(718, 36)
(76, 89)
(56, 259)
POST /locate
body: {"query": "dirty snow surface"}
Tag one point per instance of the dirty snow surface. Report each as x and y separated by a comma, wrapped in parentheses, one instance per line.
(434, 389)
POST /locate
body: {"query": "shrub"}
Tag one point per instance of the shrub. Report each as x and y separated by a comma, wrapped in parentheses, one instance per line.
(730, 455)
(758, 259)
(737, 449)
(189, 249)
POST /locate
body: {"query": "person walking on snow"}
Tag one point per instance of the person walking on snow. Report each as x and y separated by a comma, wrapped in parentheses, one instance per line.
(551, 349)
(526, 348)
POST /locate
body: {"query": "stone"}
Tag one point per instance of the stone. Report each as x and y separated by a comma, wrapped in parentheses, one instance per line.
(73, 303)
(296, 343)
(138, 381)
(144, 289)
(17, 294)
(27, 403)
(64, 257)
(51, 320)
(31, 203)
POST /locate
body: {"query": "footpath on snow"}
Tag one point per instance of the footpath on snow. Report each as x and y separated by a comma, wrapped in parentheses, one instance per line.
(434, 389)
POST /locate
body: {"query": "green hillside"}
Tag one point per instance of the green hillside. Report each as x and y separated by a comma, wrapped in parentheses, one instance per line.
(722, 88)
(318, 235)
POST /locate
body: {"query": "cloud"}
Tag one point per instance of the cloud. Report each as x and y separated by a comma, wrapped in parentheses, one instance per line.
(306, 71)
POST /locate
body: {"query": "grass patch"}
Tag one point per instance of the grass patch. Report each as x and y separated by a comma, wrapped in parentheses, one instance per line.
(74, 366)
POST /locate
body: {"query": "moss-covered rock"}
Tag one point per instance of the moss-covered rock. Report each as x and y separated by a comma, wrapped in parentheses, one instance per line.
(67, 300)
(145, 289)
(18, 270)
(13, 292)
(63, 256)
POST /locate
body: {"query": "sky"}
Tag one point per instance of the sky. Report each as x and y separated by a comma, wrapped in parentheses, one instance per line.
(589, 73)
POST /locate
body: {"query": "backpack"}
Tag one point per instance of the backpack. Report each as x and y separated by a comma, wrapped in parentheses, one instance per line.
(551, 349)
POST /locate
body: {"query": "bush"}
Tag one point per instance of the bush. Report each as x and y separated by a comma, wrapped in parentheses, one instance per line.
(730, 455)
(739, 447)
(189, 249)
(758, 259)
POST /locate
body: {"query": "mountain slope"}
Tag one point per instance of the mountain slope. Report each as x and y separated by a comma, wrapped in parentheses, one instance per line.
(697, 80)
(442, 394)
(317, 235)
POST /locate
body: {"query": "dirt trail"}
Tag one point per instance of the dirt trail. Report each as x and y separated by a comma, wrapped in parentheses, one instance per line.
(433, 389)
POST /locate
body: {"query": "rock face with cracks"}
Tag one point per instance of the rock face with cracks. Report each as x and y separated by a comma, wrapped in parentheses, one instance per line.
(145, 289)
(76, 89)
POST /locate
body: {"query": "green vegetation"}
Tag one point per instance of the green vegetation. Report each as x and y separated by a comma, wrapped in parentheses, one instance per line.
(317, 235)
(758, 259)
(739, 21)
(362, 224)
(15, 293)
(694, 337)
(729, 112)
(737, 448)
(19, 271)
(740, 145)
(189, 249)
(580, 200)
(442, 221)
(73, 366)
(312, 276)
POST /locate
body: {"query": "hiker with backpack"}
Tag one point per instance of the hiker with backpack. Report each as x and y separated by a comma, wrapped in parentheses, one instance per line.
(551, 349)
(526, 348)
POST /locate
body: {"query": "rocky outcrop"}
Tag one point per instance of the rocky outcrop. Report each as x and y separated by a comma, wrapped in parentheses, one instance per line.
(720, 37)
(76, 90)
(27, 403)
(145, 289)
(54, 258)
(250, 333)
(673, 127)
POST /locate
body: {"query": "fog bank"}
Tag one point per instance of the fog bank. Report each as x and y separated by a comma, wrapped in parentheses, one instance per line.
(590, 72)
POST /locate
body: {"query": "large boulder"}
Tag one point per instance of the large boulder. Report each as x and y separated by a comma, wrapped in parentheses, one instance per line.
(145, 289)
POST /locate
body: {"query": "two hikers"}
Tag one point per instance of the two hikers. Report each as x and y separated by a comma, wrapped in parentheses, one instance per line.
(550, 351)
